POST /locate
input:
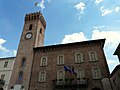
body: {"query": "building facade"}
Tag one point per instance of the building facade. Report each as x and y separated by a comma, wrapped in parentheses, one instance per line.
(6, 68)
(117, 52)
(115, 78)
(32, 36)
(87, 58)
(72, 66)
(115, 75)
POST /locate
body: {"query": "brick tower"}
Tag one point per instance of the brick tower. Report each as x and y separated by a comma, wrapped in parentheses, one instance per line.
(32, 36)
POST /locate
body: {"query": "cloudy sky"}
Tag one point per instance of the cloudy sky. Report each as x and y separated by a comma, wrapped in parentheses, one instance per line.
(67, 21)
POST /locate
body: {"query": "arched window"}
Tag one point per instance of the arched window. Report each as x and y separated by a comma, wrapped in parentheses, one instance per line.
(42, 76)
(78, 58)
(20, 76)
(96, 73)
(23, 62)
(81, 76)
(93, 56)
(30, 27)
(60, 76)
(60, 60)
(43, 61)
(41, 31)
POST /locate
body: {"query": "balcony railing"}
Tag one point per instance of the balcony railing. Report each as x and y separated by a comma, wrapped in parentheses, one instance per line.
(80, 82)
(2, 83)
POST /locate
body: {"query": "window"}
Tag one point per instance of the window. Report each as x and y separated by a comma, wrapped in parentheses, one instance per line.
(42, 76)
(30, 27)
(60, 60)
(6, 63)
(80, 76)
(2, 76)
(96, 73)
(23, 62)
(78, 58)
(60, 77)
(40, 30)
(20, 76)
(93, 56)
(12, 87)
(43, 61)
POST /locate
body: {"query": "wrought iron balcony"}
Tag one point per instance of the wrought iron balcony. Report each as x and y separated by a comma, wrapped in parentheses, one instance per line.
(2, 83)
(66, 83)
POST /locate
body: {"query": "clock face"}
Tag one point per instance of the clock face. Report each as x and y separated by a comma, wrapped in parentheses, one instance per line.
(28, 35)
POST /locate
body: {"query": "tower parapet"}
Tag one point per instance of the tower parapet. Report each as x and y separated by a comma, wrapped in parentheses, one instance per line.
(36, 16)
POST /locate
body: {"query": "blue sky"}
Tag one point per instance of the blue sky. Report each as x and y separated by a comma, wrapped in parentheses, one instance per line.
(67, 21)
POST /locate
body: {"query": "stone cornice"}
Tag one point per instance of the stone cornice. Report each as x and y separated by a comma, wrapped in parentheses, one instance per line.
(70, 45)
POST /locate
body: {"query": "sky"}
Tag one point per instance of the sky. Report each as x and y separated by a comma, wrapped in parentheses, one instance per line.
(67, 21)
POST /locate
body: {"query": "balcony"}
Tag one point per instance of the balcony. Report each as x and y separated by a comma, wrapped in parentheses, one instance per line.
(68, 83)
(2, 82)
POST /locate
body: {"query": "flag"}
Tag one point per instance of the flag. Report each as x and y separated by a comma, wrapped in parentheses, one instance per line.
(66, 68)
(36, 4)
(74, 71)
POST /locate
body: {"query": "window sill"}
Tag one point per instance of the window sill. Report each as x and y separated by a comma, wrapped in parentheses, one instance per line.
(96, 78)
(60, 64)
(41, 81)
(79, 62)
(94, 61)
(44, 66)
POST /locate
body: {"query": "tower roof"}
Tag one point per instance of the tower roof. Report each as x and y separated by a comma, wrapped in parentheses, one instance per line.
(35, 16)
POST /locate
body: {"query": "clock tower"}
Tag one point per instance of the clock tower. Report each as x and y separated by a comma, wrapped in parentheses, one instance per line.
(32, 36)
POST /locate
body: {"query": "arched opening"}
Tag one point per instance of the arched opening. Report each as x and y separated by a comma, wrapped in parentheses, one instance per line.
(40, 30)
(96, 88)
(30, 27)
(1, 89)
(23, 62)
(20, 76)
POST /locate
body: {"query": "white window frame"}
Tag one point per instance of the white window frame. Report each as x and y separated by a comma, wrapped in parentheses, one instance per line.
(42, 78)
(81, 76)
(58, 77)
(42, 63)
(80, 58)
(93, 57)
(96, 73)
(60, 62)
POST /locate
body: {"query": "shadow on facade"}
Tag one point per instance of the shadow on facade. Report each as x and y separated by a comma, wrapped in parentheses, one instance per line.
(1, 89)
(96, 88)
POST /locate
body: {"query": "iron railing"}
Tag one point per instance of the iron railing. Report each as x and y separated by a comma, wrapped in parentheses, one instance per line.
(65, 83)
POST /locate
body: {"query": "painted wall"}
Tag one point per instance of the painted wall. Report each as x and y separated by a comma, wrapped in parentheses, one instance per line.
(6, 71)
